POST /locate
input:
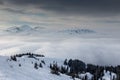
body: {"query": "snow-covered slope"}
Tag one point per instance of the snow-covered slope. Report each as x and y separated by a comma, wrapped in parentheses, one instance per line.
(23, 68)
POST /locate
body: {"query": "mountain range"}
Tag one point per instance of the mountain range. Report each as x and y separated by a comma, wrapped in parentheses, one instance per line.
(25, 29)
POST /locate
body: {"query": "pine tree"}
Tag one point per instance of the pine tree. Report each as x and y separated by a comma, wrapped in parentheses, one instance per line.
(40, 65)
(36, 66)
(65, 62)
(54, 69)
(43, 62)
(13, 58)
(19, 65)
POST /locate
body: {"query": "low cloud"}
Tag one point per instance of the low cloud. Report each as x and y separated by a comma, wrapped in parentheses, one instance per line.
(96, 51)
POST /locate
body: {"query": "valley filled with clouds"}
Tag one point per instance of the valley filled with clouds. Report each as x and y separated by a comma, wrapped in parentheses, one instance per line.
(84, 44)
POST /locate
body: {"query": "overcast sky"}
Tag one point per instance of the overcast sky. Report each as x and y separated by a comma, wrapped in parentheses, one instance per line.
(61, 13)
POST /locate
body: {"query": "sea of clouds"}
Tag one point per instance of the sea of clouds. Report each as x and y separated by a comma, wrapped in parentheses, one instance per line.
(102, 51)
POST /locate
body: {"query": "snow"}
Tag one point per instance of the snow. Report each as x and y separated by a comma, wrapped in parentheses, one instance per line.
(19, 29)
(89, 75)
(77, 31)
(107, 75)
(10, 70)
(23, 30)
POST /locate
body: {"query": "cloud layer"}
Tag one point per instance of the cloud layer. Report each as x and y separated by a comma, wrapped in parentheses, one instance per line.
(84, 7)
(97, 51)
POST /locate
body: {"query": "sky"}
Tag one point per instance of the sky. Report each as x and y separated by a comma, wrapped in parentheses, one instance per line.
(56, 14)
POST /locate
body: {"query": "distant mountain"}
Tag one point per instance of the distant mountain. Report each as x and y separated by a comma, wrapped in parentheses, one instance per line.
(28, 30)
(16, 29)
(24, 30)
(77, 31)
(38, 28)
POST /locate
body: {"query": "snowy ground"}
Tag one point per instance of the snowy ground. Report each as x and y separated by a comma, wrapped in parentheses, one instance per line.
(10, 70)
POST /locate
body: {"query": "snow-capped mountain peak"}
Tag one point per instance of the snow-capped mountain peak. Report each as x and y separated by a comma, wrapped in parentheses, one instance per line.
(25, 27)
(78, 31)
(16, 29)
